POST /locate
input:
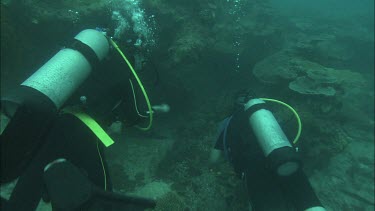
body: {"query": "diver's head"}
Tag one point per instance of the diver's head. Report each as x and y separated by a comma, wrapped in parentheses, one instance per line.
(243, 96)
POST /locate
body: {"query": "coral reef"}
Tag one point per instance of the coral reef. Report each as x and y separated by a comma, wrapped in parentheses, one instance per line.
(323, 69)
(170, 202)
(307, 77)
(155, 189)
(305, 85)
(344, 185)
(278, 68)
(38, 11)
(16, 48)
(189, 45)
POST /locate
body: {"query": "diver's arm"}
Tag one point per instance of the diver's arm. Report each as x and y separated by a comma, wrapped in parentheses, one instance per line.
(216, 154)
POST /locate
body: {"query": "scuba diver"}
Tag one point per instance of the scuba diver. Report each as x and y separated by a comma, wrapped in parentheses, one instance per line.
(254, 143)
(51, 143)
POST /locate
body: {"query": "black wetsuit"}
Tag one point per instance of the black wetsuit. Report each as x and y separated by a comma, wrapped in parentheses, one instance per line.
(69, 138)
(267, 191)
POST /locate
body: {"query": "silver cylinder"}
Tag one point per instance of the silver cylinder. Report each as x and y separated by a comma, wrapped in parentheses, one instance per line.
(267, 130)
(63, 73)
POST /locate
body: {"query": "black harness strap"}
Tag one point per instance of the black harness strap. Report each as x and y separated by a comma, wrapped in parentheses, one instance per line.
(86, 51)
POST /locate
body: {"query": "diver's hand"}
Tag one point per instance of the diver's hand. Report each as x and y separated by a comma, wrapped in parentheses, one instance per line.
(215, 156)
(318, 208)
(116, 128)
(162, 108)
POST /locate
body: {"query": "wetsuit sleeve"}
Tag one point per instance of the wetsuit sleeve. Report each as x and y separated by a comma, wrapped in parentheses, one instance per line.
(219, 142)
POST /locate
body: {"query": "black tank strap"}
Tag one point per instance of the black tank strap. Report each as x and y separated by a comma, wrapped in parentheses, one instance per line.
(86, 51)
(255, 108)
